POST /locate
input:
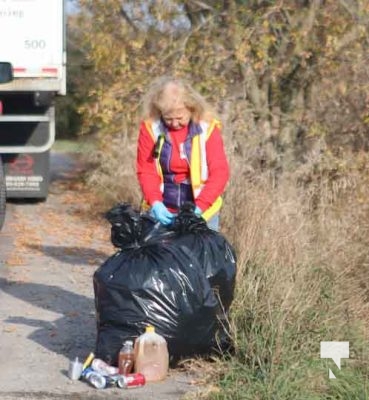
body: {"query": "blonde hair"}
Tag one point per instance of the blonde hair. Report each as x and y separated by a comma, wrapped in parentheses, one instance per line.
(156, 101)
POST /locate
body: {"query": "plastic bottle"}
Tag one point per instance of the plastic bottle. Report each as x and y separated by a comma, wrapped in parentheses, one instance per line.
(94, 378)
(75, 369)
(151, 355)
(126, 358)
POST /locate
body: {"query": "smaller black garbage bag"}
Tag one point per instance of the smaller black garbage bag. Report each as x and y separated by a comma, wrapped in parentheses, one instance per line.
(156, 278)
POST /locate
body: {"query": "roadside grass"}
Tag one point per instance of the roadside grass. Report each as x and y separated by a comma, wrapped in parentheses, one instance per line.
(115, 181)
(302, 264)
(302, 276)
(286, 365)
(307, 381)
(74, 146)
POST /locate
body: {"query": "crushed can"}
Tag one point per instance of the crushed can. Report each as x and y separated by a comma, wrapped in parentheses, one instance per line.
(94, 378)
(131, 381)
(103, 368)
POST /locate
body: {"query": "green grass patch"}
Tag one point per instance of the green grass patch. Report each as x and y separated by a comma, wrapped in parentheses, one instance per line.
(302, 379)
(73, 146)
(277, 337)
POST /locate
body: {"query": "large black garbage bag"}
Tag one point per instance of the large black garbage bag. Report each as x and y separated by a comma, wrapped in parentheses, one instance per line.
(180, 280)
(215, 255)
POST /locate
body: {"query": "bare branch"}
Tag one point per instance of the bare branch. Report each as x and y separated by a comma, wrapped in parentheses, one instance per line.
(199, 5)
(127, 19)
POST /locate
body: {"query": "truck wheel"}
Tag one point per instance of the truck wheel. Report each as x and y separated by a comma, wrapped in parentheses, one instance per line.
(2, 195)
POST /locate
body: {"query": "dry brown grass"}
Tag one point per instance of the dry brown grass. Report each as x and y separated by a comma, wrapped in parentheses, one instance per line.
(114, 179)
(302, 245)
(286, 229)
(302, 267)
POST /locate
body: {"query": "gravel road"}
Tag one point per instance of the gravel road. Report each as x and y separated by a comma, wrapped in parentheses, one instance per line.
(48, 254)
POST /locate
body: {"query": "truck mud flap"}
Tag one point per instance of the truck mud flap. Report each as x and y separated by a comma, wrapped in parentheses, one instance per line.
(27, 175)
(25, 143)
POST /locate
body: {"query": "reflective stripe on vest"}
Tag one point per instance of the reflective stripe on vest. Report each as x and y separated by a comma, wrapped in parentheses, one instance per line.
(154, 129)
(198, 164)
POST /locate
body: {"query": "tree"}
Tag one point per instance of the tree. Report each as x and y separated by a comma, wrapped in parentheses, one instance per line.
(261, 61)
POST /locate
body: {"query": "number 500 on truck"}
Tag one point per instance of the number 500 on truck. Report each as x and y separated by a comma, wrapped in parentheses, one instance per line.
(32, 74)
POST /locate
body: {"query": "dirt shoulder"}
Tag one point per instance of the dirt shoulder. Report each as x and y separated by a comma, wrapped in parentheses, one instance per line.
(49, 252)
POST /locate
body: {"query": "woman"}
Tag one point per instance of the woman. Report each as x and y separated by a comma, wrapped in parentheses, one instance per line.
(180, 154)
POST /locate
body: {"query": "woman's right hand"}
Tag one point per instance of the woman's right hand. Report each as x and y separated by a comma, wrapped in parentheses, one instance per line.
(161, 213)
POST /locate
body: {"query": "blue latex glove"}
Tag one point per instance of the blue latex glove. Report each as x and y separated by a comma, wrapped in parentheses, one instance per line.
(161, 213)
(198, 211)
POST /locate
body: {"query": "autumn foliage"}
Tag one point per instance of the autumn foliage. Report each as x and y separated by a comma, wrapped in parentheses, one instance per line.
(271, 67)
(289, 79)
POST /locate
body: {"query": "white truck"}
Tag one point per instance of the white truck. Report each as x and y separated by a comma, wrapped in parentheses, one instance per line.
(32, 73)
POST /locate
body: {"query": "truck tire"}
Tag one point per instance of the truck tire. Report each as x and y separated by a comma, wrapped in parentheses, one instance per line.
(2, 195)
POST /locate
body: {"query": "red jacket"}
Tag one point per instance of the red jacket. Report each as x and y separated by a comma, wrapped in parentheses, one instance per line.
(150, 181)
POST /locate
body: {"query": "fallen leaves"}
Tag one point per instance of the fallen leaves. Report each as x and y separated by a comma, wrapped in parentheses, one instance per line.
(10, 329)
(15, 260)
(73, 314)
(62, 227)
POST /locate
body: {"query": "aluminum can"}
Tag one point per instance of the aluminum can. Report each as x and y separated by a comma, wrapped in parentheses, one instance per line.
(103, 368)
(131, 381)
(94, 378)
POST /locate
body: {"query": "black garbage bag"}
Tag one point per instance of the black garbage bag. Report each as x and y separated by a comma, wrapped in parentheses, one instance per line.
(215, 255)
(178, 279)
